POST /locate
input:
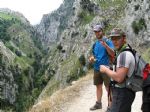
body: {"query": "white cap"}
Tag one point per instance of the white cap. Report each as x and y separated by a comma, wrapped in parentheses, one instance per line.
(97, 28)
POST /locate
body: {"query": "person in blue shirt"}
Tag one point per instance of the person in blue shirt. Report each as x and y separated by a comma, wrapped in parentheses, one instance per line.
(102, 51)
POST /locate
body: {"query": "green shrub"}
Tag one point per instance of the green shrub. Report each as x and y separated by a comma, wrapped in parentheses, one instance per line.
(4, 24)
(135, 27)
(85, 17)
(11, 48)
(82, 60)
(18, 53)
(138, 25)
(59, 47)
(85, 34)
(136, 7)
(71, 78)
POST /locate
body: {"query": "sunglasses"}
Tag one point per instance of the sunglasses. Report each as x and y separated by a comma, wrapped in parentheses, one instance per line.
(98, 31)
(116, 38)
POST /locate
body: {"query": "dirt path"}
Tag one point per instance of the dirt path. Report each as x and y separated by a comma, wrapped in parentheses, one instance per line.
(86, 99)
(78, 98)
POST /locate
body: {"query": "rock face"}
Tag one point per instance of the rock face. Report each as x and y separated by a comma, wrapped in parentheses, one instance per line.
(68, 37)
(136, 22)
(17, 55)
(8, 87)
(66, 17)
(21, 16)
(67, 34)
(6, 55)
(52, 24)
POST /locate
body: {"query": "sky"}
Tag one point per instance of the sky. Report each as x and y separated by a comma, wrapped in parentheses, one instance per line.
(33, 10)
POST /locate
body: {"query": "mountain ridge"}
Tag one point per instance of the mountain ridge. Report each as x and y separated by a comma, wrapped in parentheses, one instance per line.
(51, 55)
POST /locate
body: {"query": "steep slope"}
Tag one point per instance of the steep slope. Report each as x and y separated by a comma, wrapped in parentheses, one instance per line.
(56, 50)
(76, 39)
(6, 58)
(136, 23)
(66, 54)
(19, 57)
(68, 50)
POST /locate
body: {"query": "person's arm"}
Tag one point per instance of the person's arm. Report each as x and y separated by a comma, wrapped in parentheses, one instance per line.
(123, 65)
(118, 76)
(110, 51)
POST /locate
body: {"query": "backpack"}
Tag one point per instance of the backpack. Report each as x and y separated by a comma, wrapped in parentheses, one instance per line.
(141, 72)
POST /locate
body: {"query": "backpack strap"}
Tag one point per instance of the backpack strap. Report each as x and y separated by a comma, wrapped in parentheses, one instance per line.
(105, 39)
(126, 48)
(133, 51)
(116, 55)
(109, 96)
(130, 49)
(93, 48)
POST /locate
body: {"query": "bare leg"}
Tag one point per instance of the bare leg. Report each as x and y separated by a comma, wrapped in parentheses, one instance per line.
(98, 104)
(99, 92)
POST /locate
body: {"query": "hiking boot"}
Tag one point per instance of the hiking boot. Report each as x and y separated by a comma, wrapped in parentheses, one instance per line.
(108, 109)
(96, 106)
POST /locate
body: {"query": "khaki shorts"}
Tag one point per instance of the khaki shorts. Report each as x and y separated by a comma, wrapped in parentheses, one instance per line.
(99, 78)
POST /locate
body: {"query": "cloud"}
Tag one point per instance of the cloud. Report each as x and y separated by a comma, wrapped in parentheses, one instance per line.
(31, 9)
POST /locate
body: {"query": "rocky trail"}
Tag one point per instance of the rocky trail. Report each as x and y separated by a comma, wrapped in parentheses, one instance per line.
(80, 97)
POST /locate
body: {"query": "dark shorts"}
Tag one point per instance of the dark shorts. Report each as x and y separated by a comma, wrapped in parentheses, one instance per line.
(99, 78)
(122, 99)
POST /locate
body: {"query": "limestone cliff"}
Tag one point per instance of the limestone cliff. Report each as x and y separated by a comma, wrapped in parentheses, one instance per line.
(76, 37)
(38, 60)
(8, 87)
(19, 57)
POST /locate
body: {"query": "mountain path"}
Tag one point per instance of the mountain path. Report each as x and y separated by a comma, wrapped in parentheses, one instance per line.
(87, 96)
(79, 97)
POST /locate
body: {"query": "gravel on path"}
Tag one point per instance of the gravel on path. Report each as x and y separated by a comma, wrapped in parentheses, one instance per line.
(78, 97)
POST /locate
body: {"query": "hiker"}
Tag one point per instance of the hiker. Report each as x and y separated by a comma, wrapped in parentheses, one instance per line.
(146, 90)
(122, 97)
(102, 48)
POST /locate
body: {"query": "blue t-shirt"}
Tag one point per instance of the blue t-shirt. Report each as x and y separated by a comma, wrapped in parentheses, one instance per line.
(100, 53)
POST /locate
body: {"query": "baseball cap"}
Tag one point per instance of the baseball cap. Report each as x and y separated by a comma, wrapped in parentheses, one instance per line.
(116, 32)
(97, 27)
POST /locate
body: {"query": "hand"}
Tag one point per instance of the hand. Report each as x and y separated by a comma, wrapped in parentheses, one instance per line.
(91, 59)
(103, 43)
(103, 68)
